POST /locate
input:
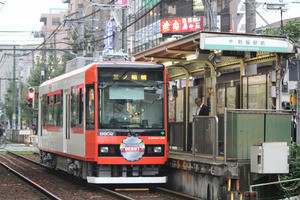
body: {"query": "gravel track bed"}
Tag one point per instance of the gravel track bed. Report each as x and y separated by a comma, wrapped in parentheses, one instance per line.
(12, 187)
(63, 186)
(145, 195)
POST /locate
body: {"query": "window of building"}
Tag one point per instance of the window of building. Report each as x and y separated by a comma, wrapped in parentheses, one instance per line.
(55, 21)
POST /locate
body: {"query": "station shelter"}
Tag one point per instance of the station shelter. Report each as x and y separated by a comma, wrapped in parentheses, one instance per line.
(239, 77)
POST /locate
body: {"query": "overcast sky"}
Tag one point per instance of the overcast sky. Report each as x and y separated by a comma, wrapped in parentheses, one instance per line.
(24, 15)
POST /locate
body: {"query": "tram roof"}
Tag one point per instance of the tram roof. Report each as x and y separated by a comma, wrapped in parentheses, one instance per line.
(190, 51)
(104, 64)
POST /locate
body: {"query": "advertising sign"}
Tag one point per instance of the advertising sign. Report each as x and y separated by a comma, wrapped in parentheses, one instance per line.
(109, 40)
(178, 25)
(132, 148)
(24, 132)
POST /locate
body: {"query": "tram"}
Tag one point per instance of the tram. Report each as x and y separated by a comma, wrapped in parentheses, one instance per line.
(106, 122)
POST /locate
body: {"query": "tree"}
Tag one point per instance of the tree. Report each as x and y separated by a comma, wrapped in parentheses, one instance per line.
(34, 81)
(291, 29)
(86, 39)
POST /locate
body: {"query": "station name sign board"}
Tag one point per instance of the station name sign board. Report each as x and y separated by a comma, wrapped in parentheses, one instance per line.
(178, 25)
(240, 42)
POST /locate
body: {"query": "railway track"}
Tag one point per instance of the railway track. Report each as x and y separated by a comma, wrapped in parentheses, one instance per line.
(96, 191)
(17, 185)
(58, 183)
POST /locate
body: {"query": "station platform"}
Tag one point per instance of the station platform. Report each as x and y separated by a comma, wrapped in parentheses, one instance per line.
(19, 147)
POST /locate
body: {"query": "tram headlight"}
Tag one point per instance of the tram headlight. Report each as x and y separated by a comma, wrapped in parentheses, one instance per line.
(157, 149)
(104, 149)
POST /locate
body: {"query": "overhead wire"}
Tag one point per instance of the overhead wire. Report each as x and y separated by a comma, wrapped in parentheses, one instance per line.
(2, 5)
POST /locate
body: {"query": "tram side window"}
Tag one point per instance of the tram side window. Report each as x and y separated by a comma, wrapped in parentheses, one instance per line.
(49, 116)
(77, 106)
(58, 112)
(80, 105)
(74, 107)
(90, 107)
(44, 110)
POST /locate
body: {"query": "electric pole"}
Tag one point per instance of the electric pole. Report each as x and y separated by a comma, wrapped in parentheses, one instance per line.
(14, 90)
(250, 16)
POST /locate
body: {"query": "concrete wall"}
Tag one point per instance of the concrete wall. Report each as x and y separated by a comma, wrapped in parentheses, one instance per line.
(13, 136)
(197, 184)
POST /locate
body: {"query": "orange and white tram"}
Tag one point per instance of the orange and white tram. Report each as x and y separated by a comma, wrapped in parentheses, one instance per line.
(106, 122)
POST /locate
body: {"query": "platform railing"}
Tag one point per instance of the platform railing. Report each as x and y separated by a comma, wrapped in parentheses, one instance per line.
(177, 136)
(205, 137)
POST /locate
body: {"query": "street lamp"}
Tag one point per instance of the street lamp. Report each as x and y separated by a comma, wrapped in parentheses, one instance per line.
(278, 6)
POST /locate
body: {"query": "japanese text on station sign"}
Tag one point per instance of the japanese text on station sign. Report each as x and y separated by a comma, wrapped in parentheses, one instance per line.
(178, 25)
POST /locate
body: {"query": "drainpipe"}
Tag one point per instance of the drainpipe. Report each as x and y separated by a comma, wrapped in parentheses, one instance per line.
(278, 78)
(187, 77)
(242, 73)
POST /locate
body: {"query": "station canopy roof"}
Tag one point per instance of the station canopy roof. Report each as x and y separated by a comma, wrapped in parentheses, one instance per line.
(223, 50)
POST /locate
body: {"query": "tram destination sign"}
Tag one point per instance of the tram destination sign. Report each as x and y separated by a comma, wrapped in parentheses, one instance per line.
(116, 76)
(243, 42)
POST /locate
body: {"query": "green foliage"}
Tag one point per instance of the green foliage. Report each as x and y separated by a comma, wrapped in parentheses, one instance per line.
(51, 71)
(292, 188)
(34, 81)
(86, 39)
(291, 29)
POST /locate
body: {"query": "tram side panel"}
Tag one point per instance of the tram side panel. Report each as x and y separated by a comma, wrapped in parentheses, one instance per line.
(64, 134)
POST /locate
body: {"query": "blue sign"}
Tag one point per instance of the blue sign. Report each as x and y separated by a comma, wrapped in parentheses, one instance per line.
(109, 39)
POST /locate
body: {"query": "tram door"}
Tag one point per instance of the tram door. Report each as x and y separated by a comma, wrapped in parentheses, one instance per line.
(67, 101)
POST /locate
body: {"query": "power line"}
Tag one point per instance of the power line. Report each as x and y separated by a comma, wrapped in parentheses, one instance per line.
(2, 3)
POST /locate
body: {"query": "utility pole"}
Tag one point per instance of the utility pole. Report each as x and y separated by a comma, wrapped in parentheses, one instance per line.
(250, 16)
(55, 58)
(93, 30)
(214, 8)
(14, 90)
(43, 65)
(19, 107)
(80, 32)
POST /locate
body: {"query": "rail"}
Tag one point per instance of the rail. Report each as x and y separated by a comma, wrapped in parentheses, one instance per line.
(32, 183)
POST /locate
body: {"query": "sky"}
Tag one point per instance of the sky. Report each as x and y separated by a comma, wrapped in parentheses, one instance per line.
(271, 16)
(23, 15)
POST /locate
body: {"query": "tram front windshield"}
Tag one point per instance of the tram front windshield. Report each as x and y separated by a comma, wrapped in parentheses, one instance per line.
(131, 99)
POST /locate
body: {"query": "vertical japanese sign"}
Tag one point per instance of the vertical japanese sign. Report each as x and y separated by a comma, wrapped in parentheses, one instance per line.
(109, 39)
(178, 25)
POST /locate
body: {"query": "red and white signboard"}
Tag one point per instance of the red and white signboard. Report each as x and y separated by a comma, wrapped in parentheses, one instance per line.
(178, 25)
(24, 132)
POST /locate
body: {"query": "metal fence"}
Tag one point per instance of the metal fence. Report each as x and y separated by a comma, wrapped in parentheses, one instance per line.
(245, 127)
(14, 136)
(177, 136)
(230, 137)
(205, 136)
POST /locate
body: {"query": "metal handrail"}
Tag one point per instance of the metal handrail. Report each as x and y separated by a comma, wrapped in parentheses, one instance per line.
(216, 135)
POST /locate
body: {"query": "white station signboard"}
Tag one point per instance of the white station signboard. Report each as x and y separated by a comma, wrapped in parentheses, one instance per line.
(244, 42)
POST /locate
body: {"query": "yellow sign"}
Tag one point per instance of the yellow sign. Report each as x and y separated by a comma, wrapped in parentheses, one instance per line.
(116, 76)
(144, 77)
(134, 77)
